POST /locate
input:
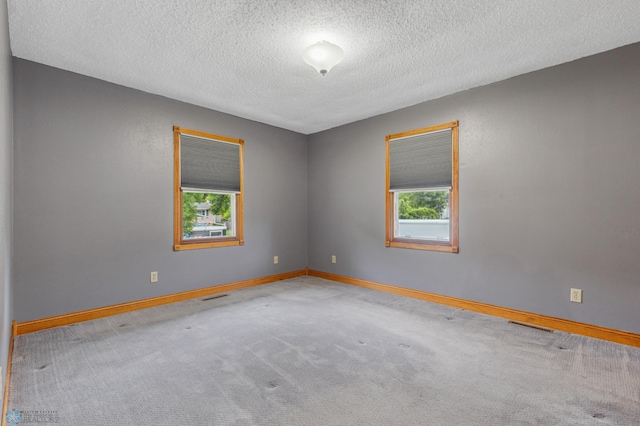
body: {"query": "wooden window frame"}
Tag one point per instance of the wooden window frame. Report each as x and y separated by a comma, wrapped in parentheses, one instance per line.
(450, 246)
(180, 244)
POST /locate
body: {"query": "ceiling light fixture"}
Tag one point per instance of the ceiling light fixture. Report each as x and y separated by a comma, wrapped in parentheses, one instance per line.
(323, 56)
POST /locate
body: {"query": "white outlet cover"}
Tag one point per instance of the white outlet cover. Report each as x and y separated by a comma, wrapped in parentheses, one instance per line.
(275, 260)
(154, 277)
(576, 295)
(333, 259)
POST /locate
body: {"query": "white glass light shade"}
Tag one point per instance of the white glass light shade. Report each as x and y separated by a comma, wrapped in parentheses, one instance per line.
(323, 56)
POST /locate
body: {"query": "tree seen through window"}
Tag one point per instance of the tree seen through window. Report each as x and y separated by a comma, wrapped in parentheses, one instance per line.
(423, 205)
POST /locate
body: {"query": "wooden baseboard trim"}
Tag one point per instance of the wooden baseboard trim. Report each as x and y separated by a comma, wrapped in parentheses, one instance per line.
(5, 404)
(617, 336)
(91, 314)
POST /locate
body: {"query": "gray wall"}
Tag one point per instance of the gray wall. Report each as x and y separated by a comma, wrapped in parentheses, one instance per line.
(549, 194)
(93, 171)
(6, 154)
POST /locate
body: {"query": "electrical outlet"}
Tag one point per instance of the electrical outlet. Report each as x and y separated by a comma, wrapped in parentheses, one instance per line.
(576, 295)
(154, 277)
(333, 258)
(275, 260)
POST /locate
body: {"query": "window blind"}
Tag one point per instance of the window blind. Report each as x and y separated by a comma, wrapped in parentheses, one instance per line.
(209, 164)
(421, 161)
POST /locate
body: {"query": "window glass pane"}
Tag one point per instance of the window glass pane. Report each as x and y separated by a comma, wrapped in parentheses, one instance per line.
(422, 215)
(207, 215)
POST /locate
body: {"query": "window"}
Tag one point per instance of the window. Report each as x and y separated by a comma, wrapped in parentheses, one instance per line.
(208, 190)
(422, 189)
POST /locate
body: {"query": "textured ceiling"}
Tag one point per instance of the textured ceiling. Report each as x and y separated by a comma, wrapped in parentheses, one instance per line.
(243, 57)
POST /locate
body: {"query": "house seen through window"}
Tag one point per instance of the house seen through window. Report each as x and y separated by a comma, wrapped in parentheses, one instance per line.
(207, 214)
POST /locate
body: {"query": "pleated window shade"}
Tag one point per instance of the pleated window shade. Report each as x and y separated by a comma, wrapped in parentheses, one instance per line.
(421, 162)
(209, 164)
